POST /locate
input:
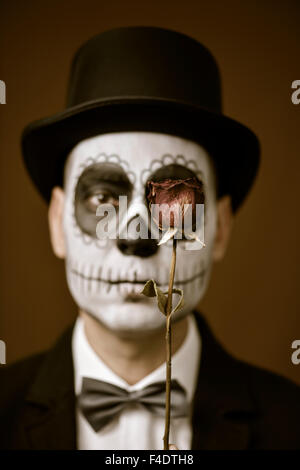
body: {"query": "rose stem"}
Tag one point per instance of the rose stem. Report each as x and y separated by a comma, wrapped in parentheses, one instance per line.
(168, 347)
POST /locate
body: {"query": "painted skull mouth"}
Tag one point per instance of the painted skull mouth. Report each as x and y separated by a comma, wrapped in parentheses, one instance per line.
(134, 297)
(136, 281)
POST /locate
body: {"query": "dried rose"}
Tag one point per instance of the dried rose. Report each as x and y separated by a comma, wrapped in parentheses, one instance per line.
(173, 205)
(170, 202)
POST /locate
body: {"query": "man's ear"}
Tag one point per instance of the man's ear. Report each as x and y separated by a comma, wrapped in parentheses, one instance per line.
(55, 219)
(224, 227)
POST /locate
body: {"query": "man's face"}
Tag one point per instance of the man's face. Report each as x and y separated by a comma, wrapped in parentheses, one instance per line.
(105, 277)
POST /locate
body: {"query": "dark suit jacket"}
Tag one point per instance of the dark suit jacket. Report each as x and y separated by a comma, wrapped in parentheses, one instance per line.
(236, 405)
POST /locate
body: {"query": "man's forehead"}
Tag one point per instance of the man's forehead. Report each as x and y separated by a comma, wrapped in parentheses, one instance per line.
(139, 152)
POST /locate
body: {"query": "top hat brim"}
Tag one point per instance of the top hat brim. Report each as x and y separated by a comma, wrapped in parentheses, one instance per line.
(234, 147)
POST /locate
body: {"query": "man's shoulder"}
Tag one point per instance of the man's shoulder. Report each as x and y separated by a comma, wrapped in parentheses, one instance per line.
(34, 387)
(15, 382)
(277, 408)
(272, 389)
(266, 402)
(264, 386)
(269, 385)
(17, 377)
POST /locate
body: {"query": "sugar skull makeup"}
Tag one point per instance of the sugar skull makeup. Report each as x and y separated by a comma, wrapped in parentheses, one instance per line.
(105, 277)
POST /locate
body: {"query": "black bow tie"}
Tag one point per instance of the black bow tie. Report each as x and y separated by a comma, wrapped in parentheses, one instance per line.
(101, 401)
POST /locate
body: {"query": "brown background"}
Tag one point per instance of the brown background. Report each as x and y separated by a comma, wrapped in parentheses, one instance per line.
(253, 299)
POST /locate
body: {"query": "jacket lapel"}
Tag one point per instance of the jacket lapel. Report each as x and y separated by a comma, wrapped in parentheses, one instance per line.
(223, 408)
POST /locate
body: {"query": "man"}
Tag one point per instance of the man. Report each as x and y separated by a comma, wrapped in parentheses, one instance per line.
(143, 105)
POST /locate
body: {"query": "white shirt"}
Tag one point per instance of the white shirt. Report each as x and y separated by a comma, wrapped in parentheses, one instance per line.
(136, 427)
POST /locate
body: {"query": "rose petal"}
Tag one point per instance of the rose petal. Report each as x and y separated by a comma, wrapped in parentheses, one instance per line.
(175, 202)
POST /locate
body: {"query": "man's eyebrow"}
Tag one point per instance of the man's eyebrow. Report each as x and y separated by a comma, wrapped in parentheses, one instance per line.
(172, 171)
(98, 173)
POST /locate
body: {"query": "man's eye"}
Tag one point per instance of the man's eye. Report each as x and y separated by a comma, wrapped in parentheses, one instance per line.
(93, 201)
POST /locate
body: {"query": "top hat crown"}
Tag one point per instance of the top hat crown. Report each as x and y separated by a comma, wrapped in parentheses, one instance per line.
(148, 63)
(144, 79)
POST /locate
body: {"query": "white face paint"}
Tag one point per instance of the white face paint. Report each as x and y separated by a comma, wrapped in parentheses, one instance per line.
(100, 276)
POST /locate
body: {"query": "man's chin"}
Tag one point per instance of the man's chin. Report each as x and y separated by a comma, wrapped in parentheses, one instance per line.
(131, 317)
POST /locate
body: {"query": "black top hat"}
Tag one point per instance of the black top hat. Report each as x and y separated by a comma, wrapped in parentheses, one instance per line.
(144, 79)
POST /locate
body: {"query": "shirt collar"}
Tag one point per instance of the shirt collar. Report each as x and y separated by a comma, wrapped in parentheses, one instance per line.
(88, 364)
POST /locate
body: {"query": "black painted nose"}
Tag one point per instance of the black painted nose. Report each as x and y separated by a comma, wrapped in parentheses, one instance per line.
(133, 246)
(139, 247)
